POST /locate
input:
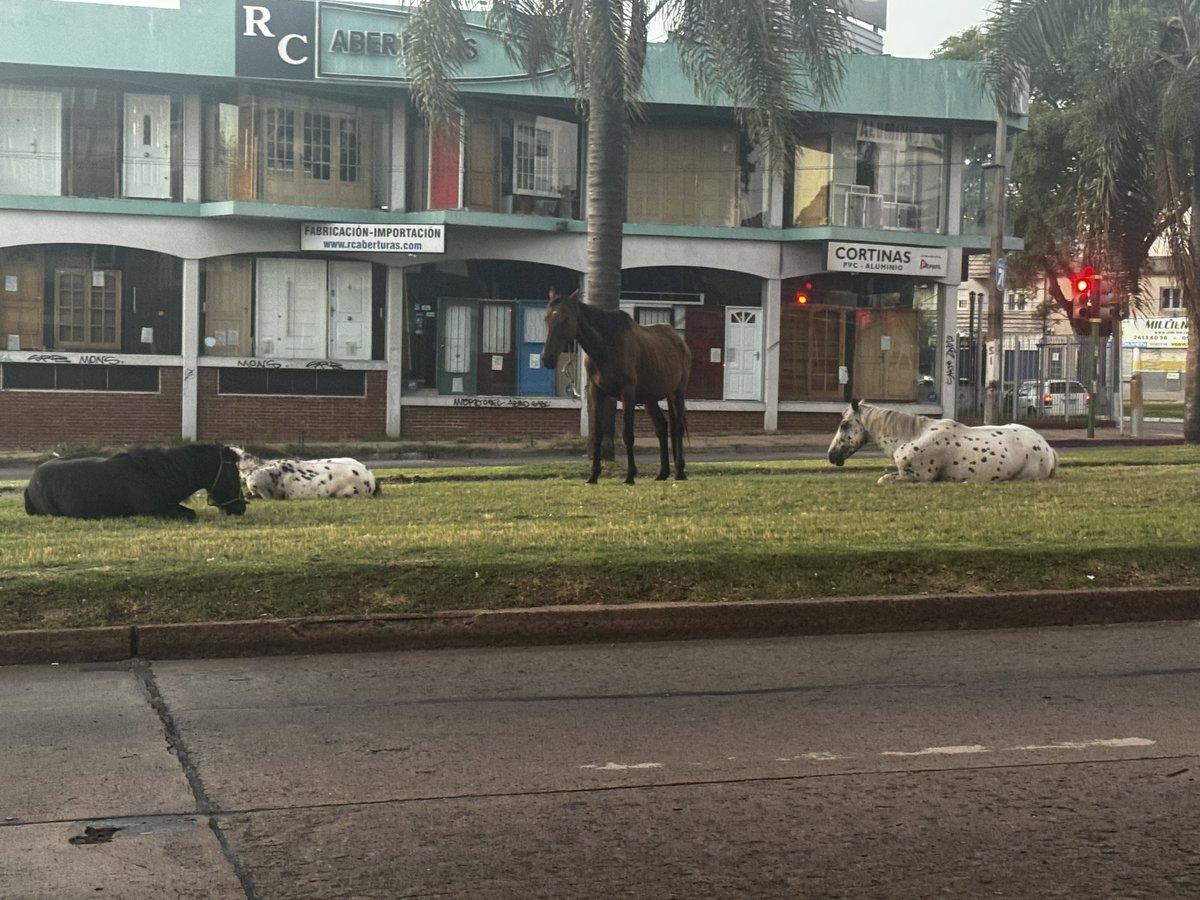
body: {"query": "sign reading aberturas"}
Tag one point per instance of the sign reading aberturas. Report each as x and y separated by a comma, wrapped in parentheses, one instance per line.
(887, 259)
(354, 238)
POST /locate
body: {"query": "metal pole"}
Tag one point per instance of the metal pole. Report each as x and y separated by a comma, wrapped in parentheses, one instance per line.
(995, 318)
(1091, 413)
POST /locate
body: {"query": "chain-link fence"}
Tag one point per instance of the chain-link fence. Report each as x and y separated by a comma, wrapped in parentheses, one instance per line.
(1047, 378)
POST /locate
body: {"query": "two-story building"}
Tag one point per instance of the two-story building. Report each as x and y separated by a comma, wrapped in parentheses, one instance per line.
(225, 220)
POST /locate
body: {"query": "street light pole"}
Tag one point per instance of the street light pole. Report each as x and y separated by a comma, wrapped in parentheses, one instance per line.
(995, 317)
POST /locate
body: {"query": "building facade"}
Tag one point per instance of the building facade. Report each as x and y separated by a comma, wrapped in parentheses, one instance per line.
(225, 220)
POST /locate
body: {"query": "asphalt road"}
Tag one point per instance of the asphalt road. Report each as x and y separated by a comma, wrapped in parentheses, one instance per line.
(1032, 763)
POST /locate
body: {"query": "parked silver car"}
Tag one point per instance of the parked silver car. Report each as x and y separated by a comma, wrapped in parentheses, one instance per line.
(1056, 397)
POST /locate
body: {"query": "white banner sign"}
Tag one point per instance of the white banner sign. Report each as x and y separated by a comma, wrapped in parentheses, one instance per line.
(885, 258)
(1155, 334)
(346, 236)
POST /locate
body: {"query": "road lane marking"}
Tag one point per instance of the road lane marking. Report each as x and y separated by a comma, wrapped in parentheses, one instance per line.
(620, 767)
(939, 751)
(1084, 745)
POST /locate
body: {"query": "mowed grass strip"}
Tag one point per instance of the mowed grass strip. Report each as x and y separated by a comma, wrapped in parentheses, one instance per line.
(491, 538)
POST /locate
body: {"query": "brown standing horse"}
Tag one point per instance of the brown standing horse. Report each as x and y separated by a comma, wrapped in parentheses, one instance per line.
(631, 362)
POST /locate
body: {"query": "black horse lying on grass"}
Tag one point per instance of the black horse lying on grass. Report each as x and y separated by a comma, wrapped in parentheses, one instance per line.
(143, 482)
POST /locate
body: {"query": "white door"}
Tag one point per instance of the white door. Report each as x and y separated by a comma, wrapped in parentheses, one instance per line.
(30, 142)
(349, 310)
(147, 167)
(743, 353)
(291, 297)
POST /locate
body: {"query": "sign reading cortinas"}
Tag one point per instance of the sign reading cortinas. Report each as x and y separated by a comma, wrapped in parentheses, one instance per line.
(349, 237)
(887, 258)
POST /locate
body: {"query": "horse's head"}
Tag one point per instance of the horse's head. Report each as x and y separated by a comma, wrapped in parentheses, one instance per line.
(562, 326)
(851, 435)
(226, 490)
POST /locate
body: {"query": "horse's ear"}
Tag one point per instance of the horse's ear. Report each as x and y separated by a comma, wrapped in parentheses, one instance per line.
(574, 295)
(854, 404)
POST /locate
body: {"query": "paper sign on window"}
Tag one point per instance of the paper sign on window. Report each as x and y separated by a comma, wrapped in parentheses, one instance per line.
(10, 283)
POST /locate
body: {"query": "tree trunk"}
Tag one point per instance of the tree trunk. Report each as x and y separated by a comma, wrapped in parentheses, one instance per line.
(1191, 304)
(607, 165)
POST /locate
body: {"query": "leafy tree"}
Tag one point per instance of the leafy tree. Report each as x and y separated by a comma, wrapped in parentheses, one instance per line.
(1135, 132)
(970, 44)
(767, 58)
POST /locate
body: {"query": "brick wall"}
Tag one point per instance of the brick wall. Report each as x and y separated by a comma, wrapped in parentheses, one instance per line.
(449, 423)
(273, 419)
(44, 419)
(809, 422)
(444, 423)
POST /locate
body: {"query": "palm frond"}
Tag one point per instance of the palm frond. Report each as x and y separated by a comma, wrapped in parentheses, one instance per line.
(434, 53)
(771, 58)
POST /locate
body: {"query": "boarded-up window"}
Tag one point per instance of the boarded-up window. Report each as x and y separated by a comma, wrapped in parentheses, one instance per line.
(683, 176)
(885, 354)
(812, 350)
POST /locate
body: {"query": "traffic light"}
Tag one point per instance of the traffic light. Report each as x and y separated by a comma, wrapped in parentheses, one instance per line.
(1084, 300)
(804, 294)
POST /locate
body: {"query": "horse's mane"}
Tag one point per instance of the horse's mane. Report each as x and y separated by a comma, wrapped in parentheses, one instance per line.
(891, 423)
(611, 323)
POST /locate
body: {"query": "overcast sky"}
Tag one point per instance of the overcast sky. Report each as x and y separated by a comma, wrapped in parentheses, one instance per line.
(916, 27)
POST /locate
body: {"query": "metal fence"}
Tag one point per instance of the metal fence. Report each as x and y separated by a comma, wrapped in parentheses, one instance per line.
(1031, 364)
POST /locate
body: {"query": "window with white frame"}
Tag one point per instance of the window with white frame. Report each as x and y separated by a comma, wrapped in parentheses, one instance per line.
(543, 157)
(1170, 298)
(495, 328)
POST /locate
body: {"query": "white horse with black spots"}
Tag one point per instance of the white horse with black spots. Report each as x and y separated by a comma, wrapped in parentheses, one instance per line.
(305, 479)
(925, 449)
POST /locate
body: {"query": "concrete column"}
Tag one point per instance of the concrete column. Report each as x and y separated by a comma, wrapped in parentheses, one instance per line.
(398, 169)
(394, 305)
(190, 399)
(192, 148)
(772, 289)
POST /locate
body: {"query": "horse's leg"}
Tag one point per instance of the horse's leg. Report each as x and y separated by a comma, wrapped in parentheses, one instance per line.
(178, 512)
(660, 429)
(595, 406)
(629, 402)
(678, 412)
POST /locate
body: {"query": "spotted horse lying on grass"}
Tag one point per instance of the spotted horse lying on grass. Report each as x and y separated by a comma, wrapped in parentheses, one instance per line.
(305, 479)
(925, 449)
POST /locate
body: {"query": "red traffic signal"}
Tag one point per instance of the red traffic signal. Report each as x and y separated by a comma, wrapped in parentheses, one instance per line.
(1084, 300)
(1083, 281)
(804, 294)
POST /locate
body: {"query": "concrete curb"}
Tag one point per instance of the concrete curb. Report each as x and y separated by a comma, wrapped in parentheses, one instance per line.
(601, 624)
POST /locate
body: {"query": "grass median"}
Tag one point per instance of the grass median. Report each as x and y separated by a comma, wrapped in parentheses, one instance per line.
(491, 538)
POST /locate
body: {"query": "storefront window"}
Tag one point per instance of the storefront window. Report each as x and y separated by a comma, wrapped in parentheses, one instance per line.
(810, 193)
(90, 142)
(889, 175)
(303, 308)
(289, 148)
(85, 297)
(977, 183)
(860, 336)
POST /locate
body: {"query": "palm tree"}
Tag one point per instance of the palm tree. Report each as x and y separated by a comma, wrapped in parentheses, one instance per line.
(1141, 151)
(764, 58)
